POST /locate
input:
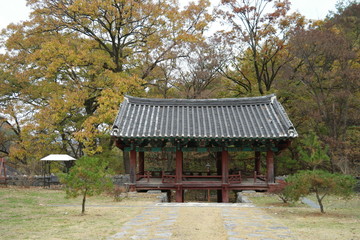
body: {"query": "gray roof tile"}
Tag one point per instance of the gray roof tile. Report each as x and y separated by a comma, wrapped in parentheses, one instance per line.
(245, 118)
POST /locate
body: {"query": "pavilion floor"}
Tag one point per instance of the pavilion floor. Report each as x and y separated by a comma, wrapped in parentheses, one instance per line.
(200, 183)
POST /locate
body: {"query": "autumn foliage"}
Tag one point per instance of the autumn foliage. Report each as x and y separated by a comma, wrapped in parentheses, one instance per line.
(64, 72)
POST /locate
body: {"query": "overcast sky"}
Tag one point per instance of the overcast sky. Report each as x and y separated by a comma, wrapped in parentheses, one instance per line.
(13, 11)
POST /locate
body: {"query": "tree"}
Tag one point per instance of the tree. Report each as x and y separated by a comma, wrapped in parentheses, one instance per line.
(321, 183)
(196, 74)
(264, 33)
(88, 177)
(7, 136)
(323, 76)
(350, 161)
(347, 19)
(312, 152)
(280, 190)
(66, 70)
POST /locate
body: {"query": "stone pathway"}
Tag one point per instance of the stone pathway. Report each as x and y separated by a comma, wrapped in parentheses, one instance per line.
(154, 223)
(309, 203)
(241, 221)
(253, 223)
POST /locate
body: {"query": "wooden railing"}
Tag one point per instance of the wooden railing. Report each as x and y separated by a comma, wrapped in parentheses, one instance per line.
(167, 178)
(146, 174)
(206, 178)
(235, 178)
(156, 174)
(259, 176)
(170, 177)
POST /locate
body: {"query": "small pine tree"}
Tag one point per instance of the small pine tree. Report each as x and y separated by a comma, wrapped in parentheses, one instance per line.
(280, 190)
(321, 183)
(312, 151)
(88, 177)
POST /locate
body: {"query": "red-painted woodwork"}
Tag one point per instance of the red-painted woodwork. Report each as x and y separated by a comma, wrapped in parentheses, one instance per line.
(225, 194)
(225, 166)
(179, 197)
(178, 176)
(179, 166)
(270, 166)
(225, 175)
(219, 172)
(235, 178)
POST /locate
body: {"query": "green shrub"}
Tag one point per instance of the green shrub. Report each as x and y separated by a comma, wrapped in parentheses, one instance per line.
(88, 177)
(321, 183)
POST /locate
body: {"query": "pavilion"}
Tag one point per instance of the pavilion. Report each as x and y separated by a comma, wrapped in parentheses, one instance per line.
(220, 126)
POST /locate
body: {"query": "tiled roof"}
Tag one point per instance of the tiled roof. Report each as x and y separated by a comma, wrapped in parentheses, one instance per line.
(229, 118)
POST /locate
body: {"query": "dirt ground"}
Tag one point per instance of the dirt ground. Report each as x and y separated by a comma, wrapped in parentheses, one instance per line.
(35, 213)
(199, 223)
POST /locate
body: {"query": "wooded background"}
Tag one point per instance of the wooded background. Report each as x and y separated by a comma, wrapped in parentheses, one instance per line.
(65, 71)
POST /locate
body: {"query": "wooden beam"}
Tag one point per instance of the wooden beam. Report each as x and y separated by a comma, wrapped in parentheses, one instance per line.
(197, 149)
(179, 194)
(225, 194)
(142, 162)
(225, 175)
(257, 162)
(132, 170)
(219, 172)
(178, 179)
(225, 166)
(270, 166)
(179, 166)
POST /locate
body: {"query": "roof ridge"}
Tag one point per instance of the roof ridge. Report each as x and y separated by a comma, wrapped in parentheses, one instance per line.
(200, 102)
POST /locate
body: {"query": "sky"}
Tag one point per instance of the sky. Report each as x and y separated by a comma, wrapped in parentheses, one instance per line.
(14, 11)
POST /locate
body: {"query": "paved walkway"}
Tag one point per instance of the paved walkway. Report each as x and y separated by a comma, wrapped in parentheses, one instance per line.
(240, 221)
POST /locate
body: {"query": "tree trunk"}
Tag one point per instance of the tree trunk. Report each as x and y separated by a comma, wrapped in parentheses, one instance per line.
(320, 202)
(83, 202)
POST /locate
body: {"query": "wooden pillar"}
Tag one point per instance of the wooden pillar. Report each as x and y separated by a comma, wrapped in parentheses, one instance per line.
(219, 173)
(179, 166)
(141, 162)
(225, 194)
(270, 166)
(132, 170)
(225, 175)
(179, 172)
(225, 166)
(179, 197)
(257, 163)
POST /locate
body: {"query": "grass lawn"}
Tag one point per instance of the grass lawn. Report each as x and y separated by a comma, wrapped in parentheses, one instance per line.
(341, 219)
(37, 213)
(26, 213)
